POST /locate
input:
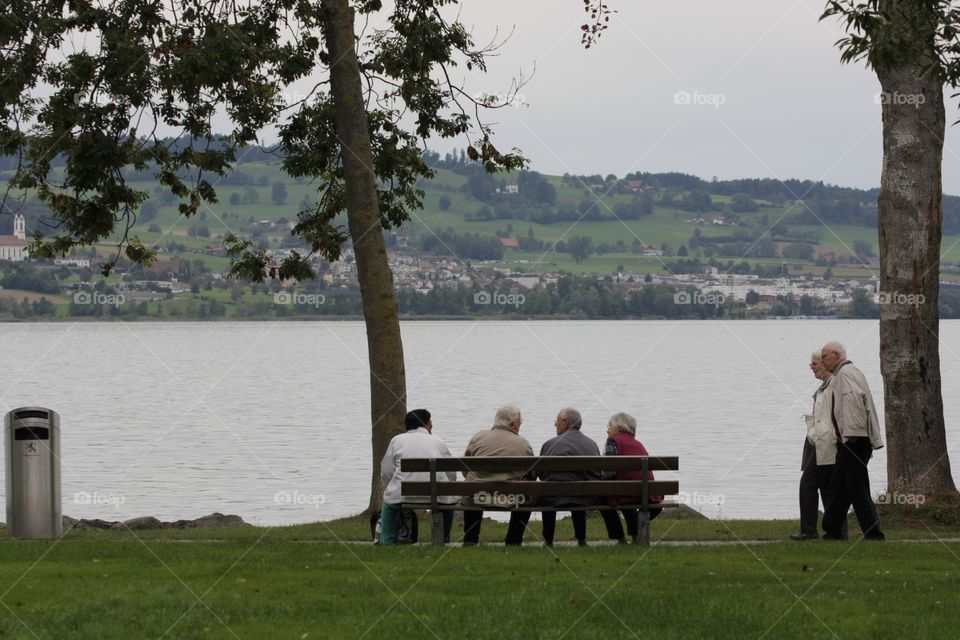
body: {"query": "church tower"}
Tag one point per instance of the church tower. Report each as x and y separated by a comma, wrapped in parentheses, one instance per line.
(20, 227)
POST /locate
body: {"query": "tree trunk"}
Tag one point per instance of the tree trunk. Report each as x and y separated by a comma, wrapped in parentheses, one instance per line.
(388, 397)
(910, 221)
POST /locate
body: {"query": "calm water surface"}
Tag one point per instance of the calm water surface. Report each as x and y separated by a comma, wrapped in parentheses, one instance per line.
(271, 421)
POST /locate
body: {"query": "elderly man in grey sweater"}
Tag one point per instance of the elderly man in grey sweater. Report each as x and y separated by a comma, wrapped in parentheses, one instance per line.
(857, 430)
(569, 442)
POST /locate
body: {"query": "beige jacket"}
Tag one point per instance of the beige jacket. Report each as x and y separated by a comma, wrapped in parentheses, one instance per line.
(852, 403)
(498, 441)
(820, 432)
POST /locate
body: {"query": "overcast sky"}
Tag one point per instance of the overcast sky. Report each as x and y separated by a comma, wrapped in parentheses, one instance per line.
(774, 100)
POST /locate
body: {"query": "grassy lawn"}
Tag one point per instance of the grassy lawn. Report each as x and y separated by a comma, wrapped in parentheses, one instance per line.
(298, 582)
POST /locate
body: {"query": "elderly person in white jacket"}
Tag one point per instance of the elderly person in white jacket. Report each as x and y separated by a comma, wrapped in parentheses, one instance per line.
(819, 455)
(856, 429)
(417, 442)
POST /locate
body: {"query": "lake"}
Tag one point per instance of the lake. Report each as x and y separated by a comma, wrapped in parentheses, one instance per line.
(270, 420)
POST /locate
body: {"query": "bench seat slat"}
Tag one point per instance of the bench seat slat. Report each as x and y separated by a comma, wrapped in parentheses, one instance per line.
(544, 488)
(543, 463)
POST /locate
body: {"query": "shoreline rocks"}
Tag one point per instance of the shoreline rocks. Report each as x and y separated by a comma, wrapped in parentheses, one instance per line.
(215, 520)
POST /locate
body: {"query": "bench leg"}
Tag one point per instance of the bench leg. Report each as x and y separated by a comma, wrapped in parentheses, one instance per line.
(436, 527)
(643, 528)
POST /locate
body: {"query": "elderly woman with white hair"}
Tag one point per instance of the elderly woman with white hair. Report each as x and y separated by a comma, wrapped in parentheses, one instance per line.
(819, 455)
(622, 441)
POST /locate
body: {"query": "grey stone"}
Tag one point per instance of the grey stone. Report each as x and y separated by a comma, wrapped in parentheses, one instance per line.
(212, 521)
(139, 524)
(86, 525)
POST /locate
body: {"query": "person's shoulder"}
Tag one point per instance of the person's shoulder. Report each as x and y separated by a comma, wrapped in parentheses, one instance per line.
(548, 445)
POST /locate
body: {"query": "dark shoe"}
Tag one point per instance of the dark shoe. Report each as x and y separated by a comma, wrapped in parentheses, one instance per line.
(581, 543)
(800, 537)
(548, 543)
(635, 538)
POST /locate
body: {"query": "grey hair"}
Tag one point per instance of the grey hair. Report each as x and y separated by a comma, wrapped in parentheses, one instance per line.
(836, 346)
(506, 415)
(624, 422)
(816, 356)
(572, 417)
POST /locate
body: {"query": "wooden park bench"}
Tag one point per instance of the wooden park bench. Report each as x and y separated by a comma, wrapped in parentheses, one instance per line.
(600, 489)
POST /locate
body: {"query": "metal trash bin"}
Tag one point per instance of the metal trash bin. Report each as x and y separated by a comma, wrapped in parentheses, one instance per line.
(32, 456)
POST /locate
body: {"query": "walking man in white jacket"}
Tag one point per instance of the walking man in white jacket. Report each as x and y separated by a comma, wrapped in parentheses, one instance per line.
(857, 430)
(417, 442)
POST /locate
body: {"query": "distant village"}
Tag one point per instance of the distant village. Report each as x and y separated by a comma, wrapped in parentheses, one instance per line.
(421, 272)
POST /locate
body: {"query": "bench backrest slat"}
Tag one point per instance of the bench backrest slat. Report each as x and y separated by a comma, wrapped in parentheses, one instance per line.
(600, 488)
(544, 463)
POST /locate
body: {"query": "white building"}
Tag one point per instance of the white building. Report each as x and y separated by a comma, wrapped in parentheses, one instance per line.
(14, 248)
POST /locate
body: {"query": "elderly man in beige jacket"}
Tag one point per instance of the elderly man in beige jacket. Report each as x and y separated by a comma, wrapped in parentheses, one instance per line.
(501, 440)
(857, 430)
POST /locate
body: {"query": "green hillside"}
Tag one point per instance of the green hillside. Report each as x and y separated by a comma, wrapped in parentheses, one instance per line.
(241, 206)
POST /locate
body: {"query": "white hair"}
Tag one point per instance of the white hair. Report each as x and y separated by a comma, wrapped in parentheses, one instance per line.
(816, 356)
(624, 422)
(506, 415)
(836, 346)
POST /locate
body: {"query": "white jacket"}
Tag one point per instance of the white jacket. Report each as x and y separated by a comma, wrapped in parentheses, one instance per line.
(820, 429)
(416, 443)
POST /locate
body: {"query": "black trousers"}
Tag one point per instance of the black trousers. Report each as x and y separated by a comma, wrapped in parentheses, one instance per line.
(850, 485)
(473, 519)
(550, 525)
(814, 489)
(630, 516)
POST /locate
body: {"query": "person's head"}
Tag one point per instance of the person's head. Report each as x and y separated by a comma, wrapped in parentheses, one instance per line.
(816, 366)
(418, 418)
(833, 354)
(622, 423)
(508, 416)
(568, 418)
